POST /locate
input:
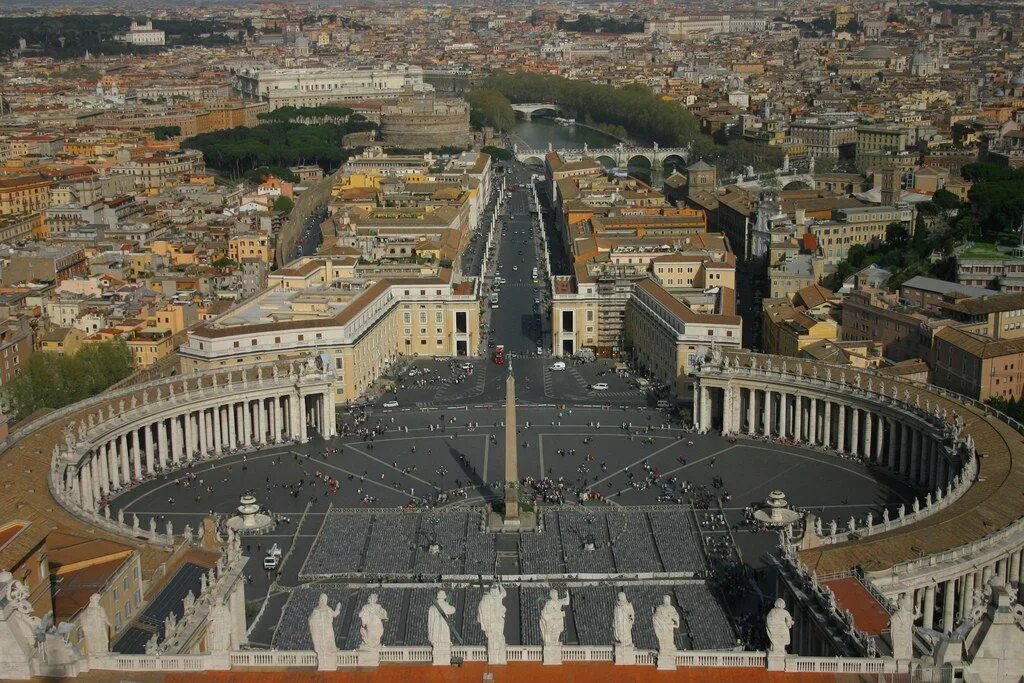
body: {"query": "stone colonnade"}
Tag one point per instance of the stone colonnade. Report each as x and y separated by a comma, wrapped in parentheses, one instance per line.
(178, 429)
(895, 439)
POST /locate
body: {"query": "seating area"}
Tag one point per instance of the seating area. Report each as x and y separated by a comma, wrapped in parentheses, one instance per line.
(580, 530)
(339, 547)
(676, 539)
(391, 544)
(400, 544)
(704, 618)
(541, 553)
(592, 614)
(632, 543)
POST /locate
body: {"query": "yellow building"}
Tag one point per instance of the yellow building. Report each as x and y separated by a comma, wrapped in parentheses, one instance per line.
(250, 247)
(150, 345)
(24, 192)
(63, 341)
(788, 328)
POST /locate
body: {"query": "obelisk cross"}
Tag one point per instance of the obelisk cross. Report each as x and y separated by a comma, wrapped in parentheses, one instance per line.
(511, 452)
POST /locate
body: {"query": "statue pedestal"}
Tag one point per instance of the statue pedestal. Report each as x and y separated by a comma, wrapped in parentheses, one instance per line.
(625, 655)
(442, 656)
(326, 661)
(667, 660)
(553, 654)
(777, 661)
(368, 658)
(497, 655)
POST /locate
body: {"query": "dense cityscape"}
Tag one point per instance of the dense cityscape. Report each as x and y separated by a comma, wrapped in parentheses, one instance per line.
(463, 341)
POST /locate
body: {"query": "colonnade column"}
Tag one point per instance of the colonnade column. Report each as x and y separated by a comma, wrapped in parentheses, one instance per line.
(905, 449)
(928, 610)
(232, 432)
(150, 449)
(841, 435)
(108, 470)
(798, 417)
(890, 450)
(766, 420)
(161, 442)
(751, 410)
(278, 427)
(869, 436)
(826, 423)
(783, 415)
(948, 595)
(246, 424)
(812, 426)
(855, 441)
(966, 594)
(218, 443)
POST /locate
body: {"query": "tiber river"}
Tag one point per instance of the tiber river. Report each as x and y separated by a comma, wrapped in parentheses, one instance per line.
(538, 132)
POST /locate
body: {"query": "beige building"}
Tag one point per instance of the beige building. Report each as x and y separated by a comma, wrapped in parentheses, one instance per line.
(789, 327)
(360, 326)
(663, 333)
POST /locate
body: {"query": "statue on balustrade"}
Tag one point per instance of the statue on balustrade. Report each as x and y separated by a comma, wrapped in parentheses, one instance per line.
(439, 633)
(901, 629)
(552, 618)
(219, 629)
(623, 618)
(491, 617)
(372, 615)
(666, 621)
(95, 625)
(778, 623)
(321, 627)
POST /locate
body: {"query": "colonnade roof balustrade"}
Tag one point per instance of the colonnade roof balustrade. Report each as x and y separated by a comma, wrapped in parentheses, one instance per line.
(27, 456)
(994, 502)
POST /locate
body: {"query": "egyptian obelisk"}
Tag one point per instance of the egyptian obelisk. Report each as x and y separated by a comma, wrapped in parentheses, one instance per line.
(511, 453)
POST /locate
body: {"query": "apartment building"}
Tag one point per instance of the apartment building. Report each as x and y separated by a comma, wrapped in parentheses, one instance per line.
(978, 366)
(824, 138)
(986, 265)
(861, 225)
(24, 193)
(160, 170)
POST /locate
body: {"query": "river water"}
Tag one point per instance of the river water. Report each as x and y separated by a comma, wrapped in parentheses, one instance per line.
(537, 133)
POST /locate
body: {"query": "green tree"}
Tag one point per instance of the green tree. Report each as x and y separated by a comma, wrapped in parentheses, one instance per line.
(488, 107)
(284, 204)
(54, 381)
(497, 153)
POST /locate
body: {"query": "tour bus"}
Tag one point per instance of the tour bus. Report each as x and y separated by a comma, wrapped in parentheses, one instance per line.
(499, 354)
(494, 300)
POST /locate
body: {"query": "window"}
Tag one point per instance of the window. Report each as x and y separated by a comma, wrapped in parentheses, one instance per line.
(277, 340)
(408, 317)
(301, 337)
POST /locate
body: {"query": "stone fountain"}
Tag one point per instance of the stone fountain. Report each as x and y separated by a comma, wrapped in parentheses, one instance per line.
(776, 511)
(249, 518)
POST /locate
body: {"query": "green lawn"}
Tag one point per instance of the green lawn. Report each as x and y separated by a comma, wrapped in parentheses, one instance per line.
(982, 250)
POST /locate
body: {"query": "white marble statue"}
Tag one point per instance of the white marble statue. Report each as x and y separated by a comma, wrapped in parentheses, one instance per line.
(778, 623)
(372, 615)
(321, 627)
(623, 618)
(439, 634)
(491, 617)
(666, 621)
(552, 618)
(95, 625)
(219, 629)
(901, 628)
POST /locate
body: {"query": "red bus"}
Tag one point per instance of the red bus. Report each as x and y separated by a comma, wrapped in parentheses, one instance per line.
(499, 354)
